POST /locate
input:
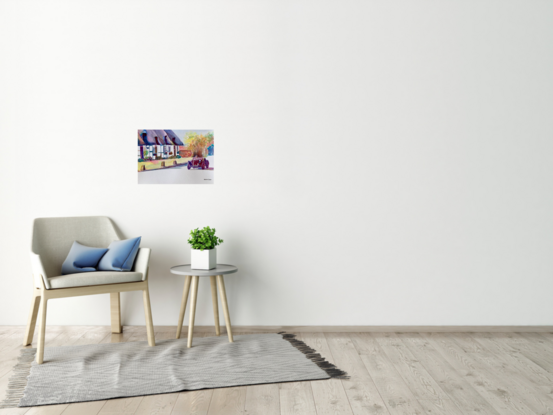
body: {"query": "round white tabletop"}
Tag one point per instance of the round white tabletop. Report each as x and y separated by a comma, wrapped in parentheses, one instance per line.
(221, 269)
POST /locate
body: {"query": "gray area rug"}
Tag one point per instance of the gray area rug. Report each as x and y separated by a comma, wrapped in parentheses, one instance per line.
(106, 371)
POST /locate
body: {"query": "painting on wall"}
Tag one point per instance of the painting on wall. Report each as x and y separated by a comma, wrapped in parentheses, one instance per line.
(176, 156)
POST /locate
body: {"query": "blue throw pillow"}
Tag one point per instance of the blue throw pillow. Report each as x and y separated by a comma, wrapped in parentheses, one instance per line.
(82, 258)
(120, 255)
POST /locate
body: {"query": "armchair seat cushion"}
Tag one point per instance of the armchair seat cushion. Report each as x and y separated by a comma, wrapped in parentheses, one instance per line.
(93, 278)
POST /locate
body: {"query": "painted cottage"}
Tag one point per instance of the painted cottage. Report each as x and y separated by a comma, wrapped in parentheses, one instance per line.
(158, 144)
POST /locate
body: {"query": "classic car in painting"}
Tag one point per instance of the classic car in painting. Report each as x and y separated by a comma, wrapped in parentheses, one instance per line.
(198, 163)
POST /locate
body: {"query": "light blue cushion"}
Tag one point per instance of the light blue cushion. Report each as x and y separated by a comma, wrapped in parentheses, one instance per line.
(120, 255)
(82, 258)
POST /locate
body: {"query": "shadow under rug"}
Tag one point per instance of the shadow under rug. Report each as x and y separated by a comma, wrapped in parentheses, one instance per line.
(106, 371)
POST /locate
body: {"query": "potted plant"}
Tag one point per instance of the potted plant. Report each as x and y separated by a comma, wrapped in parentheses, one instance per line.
(203, 243)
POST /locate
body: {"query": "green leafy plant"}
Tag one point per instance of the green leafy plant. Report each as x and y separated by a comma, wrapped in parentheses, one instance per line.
(140, 160)
(204, 238)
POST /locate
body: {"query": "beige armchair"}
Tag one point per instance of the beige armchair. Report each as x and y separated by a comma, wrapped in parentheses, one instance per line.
(51, 242)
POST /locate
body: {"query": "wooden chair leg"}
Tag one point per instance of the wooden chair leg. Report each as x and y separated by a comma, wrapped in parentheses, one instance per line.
(183, 304)
(149, 321)
(31, 324)
(223, 293)
(193, 298)
(42, 330)
(215, 304)
(115, 305)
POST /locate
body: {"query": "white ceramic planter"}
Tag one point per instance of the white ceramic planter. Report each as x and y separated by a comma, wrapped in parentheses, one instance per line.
(206, 259)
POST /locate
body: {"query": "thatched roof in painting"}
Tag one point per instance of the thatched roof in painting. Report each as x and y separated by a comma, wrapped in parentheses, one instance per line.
(140, 140)
(167, 137)
(160, 134)
(149, 139)
(174, 138)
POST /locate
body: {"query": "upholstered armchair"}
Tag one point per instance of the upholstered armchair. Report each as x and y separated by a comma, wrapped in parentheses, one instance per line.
(51, 241)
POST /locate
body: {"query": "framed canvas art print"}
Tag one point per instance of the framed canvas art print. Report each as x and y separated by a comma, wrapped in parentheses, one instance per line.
(176, 156)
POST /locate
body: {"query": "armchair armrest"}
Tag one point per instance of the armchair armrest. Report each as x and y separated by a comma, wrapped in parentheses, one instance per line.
(39, 274)
(142, 261)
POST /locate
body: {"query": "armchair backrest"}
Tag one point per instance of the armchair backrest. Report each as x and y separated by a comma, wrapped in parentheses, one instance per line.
(53, 237)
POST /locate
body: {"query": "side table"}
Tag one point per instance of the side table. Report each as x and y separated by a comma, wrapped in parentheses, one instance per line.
(193, 277)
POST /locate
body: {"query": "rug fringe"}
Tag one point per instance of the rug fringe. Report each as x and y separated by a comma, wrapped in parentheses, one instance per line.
(18, 381)
(330, 369)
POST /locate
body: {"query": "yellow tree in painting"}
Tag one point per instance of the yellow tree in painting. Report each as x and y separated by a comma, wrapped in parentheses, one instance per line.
(198, 143)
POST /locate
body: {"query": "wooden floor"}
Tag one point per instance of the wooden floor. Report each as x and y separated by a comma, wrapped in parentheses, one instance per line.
(391, 373)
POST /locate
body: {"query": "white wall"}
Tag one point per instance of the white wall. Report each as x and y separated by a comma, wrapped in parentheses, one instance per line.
(378, 162)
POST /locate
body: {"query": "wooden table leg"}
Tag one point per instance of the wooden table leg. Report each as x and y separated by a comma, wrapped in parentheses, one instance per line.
(223, 293)
(193, 298)
(183, 304)
(215, 304)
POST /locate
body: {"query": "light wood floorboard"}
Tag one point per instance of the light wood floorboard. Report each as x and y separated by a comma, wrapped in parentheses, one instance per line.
(392, 386)
(489, 384)
(362, 393)
(512, 373)
(228, 401)
(296, 398)
(329, 395)
(449, 373)
(457, 388)
(263, 399)
(193, 402)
